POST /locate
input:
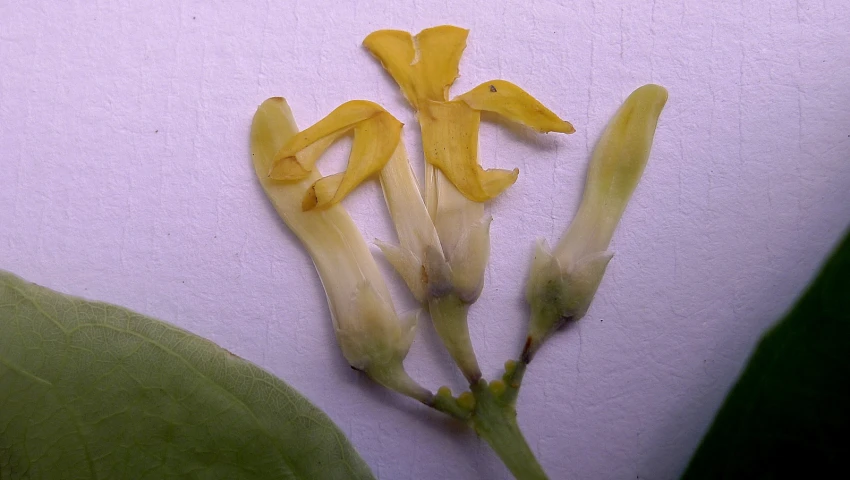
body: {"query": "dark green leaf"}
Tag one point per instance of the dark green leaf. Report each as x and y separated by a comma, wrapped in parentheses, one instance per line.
(789, 414)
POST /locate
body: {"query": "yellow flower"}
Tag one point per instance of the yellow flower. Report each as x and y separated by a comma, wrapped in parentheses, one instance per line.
(425, 66)
(563, 283)
(370, 334)
(377, 147)
(419, 257)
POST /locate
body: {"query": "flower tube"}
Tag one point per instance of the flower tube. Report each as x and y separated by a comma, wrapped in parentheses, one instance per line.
(371, 335)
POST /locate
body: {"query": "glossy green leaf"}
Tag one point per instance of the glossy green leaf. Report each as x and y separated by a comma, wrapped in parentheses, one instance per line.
(789, 414)
(94, 391)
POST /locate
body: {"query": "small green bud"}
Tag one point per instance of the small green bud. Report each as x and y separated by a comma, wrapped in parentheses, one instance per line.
(497, 387)
(466, 400)
(510, 367)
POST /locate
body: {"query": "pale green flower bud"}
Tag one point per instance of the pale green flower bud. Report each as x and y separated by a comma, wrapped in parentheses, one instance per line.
(562, 284)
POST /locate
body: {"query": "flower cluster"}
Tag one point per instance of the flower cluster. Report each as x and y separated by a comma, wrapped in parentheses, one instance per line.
(443, 233)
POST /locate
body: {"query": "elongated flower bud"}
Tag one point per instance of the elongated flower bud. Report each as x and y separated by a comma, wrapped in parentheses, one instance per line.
(562, 283)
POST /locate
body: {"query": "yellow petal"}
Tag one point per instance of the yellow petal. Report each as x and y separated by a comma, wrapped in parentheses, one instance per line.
(298, 167)
(288, 169)
(424, 66)
(450, 141)
(313, 141)
(396, 52)
(321, 191)
(440, 49)
(375, 140)
(376, 135)
(515, 104)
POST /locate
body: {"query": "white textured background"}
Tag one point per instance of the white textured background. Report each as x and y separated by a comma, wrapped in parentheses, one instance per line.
(125, 177)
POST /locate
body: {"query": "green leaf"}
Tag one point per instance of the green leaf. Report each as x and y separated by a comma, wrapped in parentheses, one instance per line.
(94, 391)
(789, 414)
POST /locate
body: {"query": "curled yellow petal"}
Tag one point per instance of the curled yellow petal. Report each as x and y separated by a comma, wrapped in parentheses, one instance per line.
(317, 138)
(298, 167)
(321, 192)
(375, 140)
(515, 104)
(376, 135)
(289, 169)
(450, 140)
(424, 66)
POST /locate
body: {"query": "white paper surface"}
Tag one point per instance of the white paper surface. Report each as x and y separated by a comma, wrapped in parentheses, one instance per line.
(125, 177)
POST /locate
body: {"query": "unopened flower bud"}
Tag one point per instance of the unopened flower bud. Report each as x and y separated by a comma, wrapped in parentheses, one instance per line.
(562, 283)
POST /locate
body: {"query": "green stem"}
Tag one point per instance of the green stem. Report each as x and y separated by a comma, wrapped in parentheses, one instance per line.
(449, 315)
(489, 410)
(495, 421)
(393, 376)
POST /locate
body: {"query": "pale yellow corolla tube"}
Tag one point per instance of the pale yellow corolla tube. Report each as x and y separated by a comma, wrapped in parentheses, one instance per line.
(371, 335)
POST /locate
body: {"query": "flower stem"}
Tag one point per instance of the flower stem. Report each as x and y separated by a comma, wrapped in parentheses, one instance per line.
(489, 409)
(449, 315)
(393, 376)
(495, 421)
